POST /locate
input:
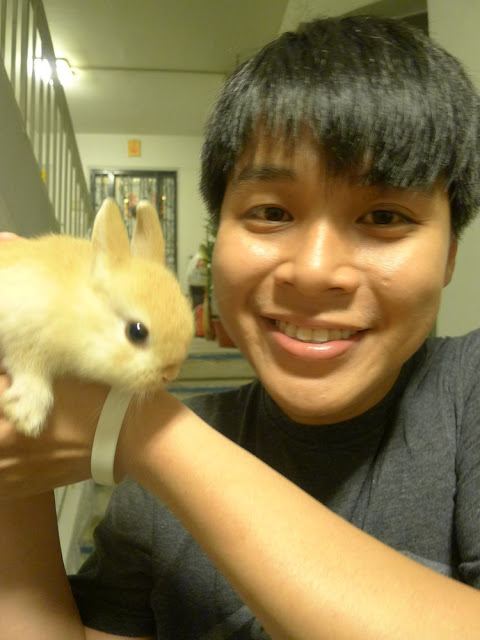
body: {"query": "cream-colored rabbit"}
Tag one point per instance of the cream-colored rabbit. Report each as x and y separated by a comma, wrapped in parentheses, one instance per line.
(100, 310)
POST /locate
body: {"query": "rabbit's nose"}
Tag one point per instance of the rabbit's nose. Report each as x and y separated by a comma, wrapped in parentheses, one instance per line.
(170, 373)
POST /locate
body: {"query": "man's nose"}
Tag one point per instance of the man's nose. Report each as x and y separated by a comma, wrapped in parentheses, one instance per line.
(322, 258)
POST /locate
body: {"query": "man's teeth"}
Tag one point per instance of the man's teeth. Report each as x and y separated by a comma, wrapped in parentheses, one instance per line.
(313, 335)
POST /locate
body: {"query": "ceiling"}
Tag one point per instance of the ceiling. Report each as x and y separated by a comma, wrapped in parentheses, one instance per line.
(155, 66)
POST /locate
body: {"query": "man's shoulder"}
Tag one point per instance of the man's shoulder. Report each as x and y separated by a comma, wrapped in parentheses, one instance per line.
(444, 374)
(455, 351)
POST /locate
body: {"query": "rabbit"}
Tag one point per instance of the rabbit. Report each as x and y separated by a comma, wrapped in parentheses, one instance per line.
(98, 309)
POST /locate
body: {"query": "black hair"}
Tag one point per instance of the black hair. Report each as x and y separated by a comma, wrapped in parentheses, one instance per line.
(366, 88)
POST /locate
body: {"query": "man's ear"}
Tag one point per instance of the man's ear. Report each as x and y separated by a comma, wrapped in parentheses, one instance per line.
(452, 254)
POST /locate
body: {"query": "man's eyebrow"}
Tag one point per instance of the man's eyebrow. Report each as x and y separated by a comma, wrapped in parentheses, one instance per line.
(264, 172)
(424, 192)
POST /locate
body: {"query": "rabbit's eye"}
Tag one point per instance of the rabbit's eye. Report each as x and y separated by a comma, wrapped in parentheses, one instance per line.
(137, 332)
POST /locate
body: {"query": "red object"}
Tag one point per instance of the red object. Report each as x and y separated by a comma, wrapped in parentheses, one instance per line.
(198, 316)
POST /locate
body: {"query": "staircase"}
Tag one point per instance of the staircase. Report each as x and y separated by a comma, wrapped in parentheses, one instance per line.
(42, 185)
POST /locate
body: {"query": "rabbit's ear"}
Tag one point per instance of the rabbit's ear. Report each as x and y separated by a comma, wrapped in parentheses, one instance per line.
(109, 242)
(147, 241)
(109, 235)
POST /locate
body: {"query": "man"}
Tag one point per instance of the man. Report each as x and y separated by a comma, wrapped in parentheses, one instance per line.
(326, 499)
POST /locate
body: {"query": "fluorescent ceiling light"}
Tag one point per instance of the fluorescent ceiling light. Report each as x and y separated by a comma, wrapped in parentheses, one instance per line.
(65, 73)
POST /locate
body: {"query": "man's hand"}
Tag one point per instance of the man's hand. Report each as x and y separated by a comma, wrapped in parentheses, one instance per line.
(60, 455)
(8, 235)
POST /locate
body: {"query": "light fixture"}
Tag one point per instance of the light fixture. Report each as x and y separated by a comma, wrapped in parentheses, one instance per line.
(65, 73)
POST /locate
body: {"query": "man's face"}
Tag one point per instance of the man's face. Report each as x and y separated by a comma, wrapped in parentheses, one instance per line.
(327, 286)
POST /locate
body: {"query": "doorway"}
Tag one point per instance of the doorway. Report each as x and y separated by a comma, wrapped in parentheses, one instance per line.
(128, 187)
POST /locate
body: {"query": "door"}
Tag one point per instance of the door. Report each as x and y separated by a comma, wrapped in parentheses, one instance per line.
(128, 187)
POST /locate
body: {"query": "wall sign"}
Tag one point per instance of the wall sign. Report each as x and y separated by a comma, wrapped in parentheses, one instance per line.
(134, 148)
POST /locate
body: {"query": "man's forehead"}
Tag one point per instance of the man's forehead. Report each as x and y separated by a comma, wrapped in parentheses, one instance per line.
(267, 157)
(263, 151)
(271, 159)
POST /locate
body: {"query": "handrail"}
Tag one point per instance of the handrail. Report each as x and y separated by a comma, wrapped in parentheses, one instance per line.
(24, 36)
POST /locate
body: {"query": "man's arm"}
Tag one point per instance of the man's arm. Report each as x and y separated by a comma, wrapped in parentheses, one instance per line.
(35, 598)
(36, 601)
(305, 572)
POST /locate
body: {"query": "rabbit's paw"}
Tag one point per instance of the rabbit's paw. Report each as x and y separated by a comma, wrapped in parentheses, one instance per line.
(26, 404)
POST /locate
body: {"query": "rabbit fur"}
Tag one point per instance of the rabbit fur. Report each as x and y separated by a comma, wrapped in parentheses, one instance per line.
(71, 306)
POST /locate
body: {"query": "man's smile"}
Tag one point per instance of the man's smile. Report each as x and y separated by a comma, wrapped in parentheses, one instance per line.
(317, 335)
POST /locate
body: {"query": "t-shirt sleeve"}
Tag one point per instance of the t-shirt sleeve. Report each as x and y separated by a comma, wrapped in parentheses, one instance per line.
(113, 587)
(467, 501)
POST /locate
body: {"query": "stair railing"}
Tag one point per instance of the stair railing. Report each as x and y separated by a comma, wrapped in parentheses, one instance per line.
(24, 37)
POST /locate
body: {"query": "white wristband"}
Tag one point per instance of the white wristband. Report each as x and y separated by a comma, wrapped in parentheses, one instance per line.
(106, 436)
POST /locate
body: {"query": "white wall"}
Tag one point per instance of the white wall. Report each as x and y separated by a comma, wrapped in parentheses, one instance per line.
(302, 10)
(454, 25)
(168, 153)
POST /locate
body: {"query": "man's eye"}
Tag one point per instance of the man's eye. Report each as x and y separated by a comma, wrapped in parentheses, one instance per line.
(269, 214)
(384, 218)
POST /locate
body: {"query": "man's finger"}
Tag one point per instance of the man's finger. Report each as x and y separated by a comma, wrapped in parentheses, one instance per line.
(8, 235)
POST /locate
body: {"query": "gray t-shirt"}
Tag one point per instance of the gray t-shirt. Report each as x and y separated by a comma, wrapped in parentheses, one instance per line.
(407, 472)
